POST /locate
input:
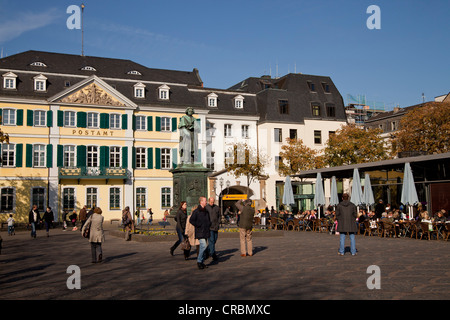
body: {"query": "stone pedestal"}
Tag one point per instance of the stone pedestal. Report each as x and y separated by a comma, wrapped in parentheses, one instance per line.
(190, 181)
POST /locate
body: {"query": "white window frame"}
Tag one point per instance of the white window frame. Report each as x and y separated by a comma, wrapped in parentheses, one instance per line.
(71, 114)
(92, 155)
(141, 157)
(239, 102)
(74, 196)
(120, 197)
(166, 158)
(13, 200)
(69, 154)
(211, 100)
(115, 157)
(141, 194)
(95, 119)
(139, 90)
(115, 120)
(141, 123)
(40, 83)
(166, 124)
(91, 194)
(163, 92)
(9, 76)
(245, 129)
(227, 130)
(40, 150)
(10, 148)
(169, 194)
(6, 121)
(39, 118)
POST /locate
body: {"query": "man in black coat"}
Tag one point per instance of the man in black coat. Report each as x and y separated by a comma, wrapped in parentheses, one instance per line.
(346, 218)
(214, 217)
(33, 219)
(200, 220)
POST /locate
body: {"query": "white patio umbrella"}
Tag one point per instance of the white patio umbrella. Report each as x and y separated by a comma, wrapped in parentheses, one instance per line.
(357, 196)
(334, 200)
(368, 199)
(409, 194)
(319, 195)
(288, 193)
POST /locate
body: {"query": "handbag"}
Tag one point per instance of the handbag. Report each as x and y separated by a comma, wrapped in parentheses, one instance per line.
(186, 245)
(87, 229)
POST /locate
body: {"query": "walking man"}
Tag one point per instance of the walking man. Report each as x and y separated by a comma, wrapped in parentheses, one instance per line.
(214, 217)
(346, 216)
(200, 220)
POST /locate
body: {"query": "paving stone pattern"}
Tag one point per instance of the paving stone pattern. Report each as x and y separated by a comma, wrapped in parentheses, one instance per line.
(291, 265)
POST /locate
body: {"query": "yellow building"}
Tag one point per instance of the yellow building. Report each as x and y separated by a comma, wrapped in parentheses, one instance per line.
(89, 131)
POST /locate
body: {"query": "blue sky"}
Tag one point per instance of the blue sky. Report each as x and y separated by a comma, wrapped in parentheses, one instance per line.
(229, 41)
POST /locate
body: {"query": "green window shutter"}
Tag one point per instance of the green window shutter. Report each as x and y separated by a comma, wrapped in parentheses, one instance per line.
(134, 123)
(60, 118)
(30, 118)
(158, 123)
(49, 156)
(19, 120)
(81, 156)
(29, 156)
(104, 120)
(19, 155)
(149, 123)
(81, 119)
(198, 124)
(133, 157)
(124, 122)
(174, 158)
(49, 118)
(1, 113)
(174, 124)
(60, 156)
(125, 157)
(150, 158)
(157, 158)
(104, 156)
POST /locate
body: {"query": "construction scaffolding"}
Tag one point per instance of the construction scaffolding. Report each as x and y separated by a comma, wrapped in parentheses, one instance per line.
(359, 109)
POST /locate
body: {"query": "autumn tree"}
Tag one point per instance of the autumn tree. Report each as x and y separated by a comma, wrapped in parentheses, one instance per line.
(425, 129)
(246, 161)
(296, 156)
(352, 144)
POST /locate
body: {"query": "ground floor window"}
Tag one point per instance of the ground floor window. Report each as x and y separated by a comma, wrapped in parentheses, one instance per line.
(91, 197)
(38, 198)
(165, 197)
(140, 197)
(114, 198)
(7, 200)
(68, 199)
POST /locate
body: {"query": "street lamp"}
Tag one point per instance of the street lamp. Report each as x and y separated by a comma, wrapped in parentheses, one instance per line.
(221, 197)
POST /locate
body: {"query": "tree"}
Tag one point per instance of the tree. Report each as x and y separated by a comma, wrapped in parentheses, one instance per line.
(352, 144)
(425, 129)
(297, 157)
(247, 161)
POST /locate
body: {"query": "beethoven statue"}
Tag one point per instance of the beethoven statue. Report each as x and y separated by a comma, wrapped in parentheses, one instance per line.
(188, 138)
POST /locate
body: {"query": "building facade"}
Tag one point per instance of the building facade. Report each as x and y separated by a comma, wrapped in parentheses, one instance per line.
(100, 131)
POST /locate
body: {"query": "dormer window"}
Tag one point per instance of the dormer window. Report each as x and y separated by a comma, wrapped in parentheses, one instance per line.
(239, 102)
(139, 90)
(88, 68)
(40, 83)
(9, 80)
(212, 100)
(163, 92)
(38, 64)
(134, 72)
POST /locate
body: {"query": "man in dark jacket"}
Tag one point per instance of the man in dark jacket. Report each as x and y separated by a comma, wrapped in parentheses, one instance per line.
(200, 220)
(245, 226)
(346, 218)
(33, 219)
(214, 217)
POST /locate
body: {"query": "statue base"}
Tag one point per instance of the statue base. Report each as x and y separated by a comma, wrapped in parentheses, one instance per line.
(190, 182)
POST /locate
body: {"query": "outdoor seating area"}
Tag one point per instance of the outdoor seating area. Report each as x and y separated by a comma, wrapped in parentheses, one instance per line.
(369, 228)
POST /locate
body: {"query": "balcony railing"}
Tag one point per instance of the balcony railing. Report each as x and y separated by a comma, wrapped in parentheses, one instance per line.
(92, 173)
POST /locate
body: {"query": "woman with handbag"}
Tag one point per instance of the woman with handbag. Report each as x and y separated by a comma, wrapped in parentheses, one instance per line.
(181, 218)
(93, 230)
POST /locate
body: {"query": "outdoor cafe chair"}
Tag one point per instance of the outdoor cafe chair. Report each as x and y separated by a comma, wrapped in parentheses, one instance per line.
(368, 230)
(425, 226)
(447, 231)
(414, 229)
(389, 229)
(296, 224)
